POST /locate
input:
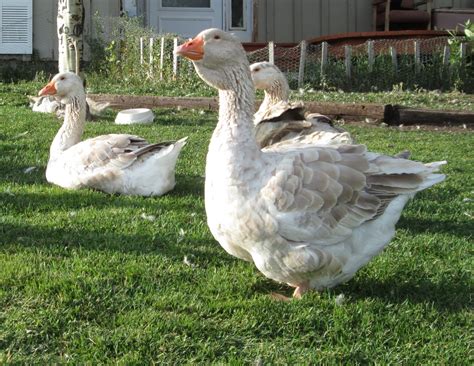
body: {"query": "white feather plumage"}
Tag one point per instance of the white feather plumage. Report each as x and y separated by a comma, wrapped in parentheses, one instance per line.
(114, 163)
(306, 215)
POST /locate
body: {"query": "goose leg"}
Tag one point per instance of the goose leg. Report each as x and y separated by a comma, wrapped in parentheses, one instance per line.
(297, 294)
(300, 290)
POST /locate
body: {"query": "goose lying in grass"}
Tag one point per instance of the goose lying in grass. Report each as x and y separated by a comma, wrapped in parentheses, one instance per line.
(115, 163)
(279, 120)
(306, 215)
(49, 104)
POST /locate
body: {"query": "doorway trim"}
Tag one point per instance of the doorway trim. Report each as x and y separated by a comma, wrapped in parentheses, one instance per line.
(245, 33)
(224, 7)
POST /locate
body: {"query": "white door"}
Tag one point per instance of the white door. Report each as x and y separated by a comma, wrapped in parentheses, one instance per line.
(185, 17)
(238, 18)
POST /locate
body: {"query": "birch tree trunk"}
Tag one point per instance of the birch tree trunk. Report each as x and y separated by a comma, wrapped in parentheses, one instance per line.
(70, 28)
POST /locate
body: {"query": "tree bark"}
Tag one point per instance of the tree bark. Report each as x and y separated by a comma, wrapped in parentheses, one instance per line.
(70, 29)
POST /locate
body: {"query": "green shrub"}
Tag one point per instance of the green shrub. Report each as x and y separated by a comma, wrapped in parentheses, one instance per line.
(431, 74)
(115, 61)
(116, 67)
(16, 71)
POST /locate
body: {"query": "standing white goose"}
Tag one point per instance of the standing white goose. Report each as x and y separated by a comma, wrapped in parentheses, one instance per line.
(308, 216)
(279, 120)
(115, 163)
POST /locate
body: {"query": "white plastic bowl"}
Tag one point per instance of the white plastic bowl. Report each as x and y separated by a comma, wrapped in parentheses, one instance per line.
(135, 115)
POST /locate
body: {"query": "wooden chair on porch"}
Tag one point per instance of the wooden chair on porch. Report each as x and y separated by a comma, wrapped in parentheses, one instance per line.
(401, 14)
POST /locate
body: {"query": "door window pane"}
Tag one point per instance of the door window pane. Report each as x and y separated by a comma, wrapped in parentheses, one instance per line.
(186, 3)
(237, 15)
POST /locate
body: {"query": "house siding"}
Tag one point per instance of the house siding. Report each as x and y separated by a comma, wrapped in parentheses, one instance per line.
(45, 41)
(275, 20)
(453, 3)
(294, 20)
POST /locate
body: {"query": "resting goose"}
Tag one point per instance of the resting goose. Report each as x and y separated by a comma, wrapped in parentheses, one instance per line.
(115, 163)
(277, 119)
(309, 216)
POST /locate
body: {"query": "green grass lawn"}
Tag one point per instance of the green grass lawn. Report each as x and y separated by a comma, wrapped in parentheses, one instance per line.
(420, 98)
(87, 277)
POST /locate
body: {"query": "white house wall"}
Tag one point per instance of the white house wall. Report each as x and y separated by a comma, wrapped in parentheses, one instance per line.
(293, 20)
(45, 40)
(277, 20)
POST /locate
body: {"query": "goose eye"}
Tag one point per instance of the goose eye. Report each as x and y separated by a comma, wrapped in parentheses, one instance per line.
(217, 37)
(257, 69)
(62, 78)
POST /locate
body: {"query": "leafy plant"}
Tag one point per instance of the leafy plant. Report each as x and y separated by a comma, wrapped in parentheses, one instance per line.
(461, 56)
(117, 61)
(455, 41)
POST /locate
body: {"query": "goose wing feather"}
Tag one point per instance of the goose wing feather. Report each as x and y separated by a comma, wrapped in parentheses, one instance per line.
(281, 111)
(286, 124)
(106, 151)
(102, 159)
(319, 195)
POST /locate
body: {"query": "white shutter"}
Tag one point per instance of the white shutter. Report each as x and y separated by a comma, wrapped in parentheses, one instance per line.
(16, 27)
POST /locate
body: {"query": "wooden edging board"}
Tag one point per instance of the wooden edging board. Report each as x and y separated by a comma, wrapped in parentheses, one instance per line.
(396, 114)
(340, 110)
(152, 101)
(391, 114)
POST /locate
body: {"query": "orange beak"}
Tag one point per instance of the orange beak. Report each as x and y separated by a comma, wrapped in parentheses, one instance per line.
(49, 89)
(193, 49)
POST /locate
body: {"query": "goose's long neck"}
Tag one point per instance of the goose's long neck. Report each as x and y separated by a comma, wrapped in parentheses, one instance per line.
(233, 139)
(279, 91)
(72, 128)
(236, 103)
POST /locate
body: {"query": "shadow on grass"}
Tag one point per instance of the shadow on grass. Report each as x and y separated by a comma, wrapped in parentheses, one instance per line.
(266, 286)
(188, 184)
(36, 176)
(449, 294)
(47, 202)
(54, 196)
(420, 226)
(15, 237)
